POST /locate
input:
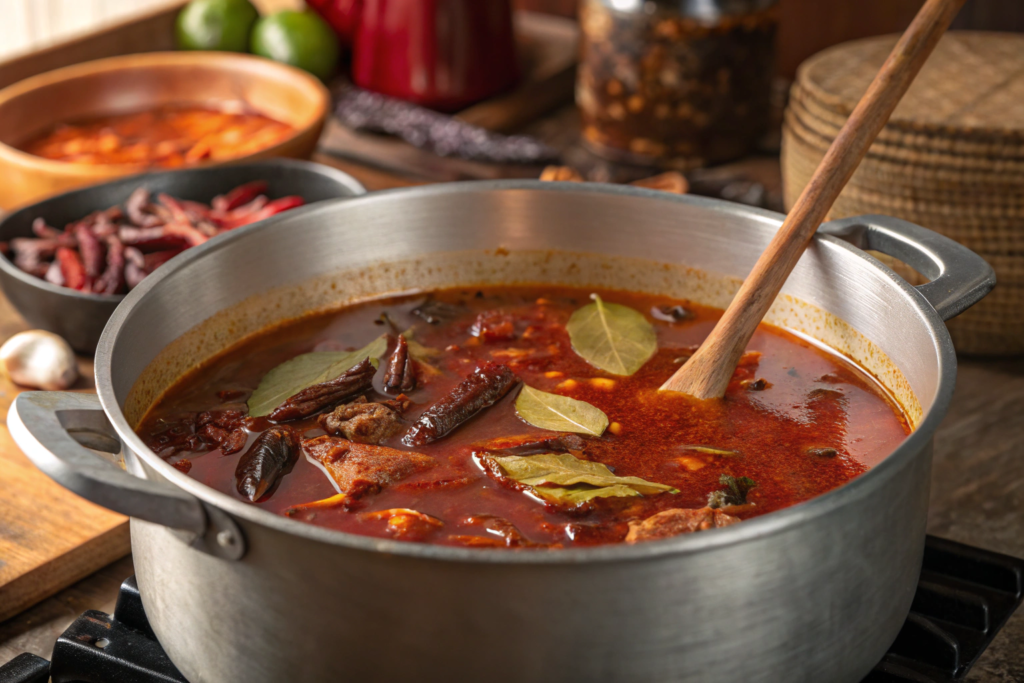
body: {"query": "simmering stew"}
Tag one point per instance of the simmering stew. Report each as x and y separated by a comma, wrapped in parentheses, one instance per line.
(519, 417)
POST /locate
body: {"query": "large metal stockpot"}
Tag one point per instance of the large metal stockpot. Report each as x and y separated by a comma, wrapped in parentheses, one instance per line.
(815, 593)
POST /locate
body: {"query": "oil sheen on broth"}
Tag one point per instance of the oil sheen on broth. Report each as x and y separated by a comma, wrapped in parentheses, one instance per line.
(796, 422)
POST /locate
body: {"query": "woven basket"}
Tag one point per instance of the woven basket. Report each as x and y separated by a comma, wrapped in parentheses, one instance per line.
(951, 158)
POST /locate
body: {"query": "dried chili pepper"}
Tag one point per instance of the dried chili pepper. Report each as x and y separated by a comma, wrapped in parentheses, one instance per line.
(238, 196)
(401, 371)
(186, 231)
(140, 211)
(72, 269)
(30, 254)
(112, 278)
(312, 400)
(267, 460)
(154, 260)
(271, 209)
(91, 250)
(482, 389)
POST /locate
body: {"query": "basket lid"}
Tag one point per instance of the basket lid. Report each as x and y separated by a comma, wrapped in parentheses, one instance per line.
(973, 84)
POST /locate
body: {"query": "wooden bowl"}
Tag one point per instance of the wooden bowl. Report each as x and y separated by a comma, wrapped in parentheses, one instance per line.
(145, 81)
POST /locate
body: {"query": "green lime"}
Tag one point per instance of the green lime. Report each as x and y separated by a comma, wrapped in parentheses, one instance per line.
(216, 25)
(301, 39)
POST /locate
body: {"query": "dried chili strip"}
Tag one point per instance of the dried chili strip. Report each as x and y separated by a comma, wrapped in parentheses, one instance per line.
(72, 269)
(482, 389)
(267, 460)
(349, 384)
(401, 371)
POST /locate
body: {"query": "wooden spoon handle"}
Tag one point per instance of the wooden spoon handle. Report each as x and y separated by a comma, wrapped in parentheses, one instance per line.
(707, 373)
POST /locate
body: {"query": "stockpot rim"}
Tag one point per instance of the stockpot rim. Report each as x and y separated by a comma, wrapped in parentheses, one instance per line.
(766, 525)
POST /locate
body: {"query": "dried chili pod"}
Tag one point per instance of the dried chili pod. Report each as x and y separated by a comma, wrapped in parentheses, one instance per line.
(240, 195)
(112, 279)
(91, 250)
(482, 389)
(238, 219)
(311, 400)
(147, 238)
(185, 231)
(72, 269)
(40, 228)
(267, 460)
(401, 372)
(30, 254)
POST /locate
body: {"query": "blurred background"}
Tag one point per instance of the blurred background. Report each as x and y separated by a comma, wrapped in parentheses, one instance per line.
(806, 26)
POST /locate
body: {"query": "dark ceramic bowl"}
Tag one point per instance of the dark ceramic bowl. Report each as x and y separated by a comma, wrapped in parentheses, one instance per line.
(80, 318)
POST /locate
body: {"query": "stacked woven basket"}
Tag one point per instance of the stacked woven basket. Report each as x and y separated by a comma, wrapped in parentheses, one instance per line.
(950, 159)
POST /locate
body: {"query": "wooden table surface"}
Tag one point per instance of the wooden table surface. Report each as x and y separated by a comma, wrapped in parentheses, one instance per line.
(977, 498)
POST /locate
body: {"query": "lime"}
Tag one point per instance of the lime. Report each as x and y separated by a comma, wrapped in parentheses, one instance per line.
(301, 39)
(216, 25)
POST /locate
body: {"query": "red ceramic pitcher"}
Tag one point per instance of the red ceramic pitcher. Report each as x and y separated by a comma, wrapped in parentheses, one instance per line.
(443, 54)
(342, 15)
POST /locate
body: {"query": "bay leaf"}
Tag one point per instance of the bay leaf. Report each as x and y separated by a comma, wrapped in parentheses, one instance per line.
(563, 477)
(612, 337)
(419, 351)
(581, 494)
(559, 413)
(305, 370)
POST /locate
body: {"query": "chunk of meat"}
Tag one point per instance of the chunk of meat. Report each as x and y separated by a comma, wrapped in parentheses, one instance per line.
(493, 326)
(364, 422)
(223, 428)
(485, 387)
(677, 521)
(358, 469)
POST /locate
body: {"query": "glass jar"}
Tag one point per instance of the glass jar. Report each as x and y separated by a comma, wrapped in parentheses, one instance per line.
(676, 83)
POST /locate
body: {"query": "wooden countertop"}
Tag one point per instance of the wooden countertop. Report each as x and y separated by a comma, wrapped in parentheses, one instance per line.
(977, 497)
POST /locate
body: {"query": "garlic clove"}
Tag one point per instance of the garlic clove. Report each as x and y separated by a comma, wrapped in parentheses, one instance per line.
(40, 360)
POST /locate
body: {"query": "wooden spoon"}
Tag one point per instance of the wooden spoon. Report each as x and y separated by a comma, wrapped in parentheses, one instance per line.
(707, 373)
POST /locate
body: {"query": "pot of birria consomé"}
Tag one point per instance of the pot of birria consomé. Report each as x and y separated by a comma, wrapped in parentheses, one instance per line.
(417, 435)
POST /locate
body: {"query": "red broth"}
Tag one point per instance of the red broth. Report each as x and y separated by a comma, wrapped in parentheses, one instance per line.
(814, 423)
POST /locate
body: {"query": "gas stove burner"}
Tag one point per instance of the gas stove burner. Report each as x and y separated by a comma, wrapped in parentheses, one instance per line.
(965, 595)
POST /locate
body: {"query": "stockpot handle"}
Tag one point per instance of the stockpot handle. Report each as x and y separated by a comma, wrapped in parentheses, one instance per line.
(959, 277)
(56, 429)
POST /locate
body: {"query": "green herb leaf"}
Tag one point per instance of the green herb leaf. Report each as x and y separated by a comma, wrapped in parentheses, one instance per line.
(734, 493)
(581, 494)
(565, 478)
(559, 413)
(611, 337)
(292, 376)
(419, 351)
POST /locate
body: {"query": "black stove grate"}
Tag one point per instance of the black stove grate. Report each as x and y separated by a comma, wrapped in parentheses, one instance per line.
(964, 597)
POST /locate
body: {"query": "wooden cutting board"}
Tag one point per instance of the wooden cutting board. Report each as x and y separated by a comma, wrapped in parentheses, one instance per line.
(49, 537)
